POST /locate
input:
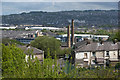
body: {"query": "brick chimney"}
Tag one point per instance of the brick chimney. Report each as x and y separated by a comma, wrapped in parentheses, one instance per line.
(72, 33)
(68, 37)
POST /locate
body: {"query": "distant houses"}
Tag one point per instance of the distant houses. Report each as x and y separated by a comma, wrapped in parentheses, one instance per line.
(87, 50)
(97, 54)
(91, 50)
(23, 36)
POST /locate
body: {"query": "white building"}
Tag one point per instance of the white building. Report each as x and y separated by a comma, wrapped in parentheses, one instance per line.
(47, 28)
(7, 27)
(63, 37)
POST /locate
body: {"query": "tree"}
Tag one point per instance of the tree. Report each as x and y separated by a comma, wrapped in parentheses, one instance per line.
(117, 35)
(45, 42)
(13, 61)
(62, 52)
(15, 66)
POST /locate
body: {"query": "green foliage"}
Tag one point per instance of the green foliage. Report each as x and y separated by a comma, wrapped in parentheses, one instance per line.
(76, 32)
(83, 26)
(60, 32)
(46, 42)
(63, 52)
(14, 65)
(0, 60)
(117, 66)
(67, 51)
(92, 17)
(107, 26)
(117, 35)
(102, 32)
(44, 30)
(12, 61)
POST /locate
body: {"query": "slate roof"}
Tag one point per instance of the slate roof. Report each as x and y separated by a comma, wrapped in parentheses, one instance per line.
(80, 44)
(77, 45)
(95, 46)
(30, 48)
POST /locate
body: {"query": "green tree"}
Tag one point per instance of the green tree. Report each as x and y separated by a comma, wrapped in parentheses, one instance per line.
(13, 61)
(117, 35)
(45, 42)
(15, 66)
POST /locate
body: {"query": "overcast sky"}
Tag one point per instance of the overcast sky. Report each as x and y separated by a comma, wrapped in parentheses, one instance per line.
(19, 7)
(60, 0)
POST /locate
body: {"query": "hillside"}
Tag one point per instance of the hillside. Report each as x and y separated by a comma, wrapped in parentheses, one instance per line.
(63, 18)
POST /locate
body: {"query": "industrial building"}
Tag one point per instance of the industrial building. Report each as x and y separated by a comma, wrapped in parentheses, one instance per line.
(80, 37)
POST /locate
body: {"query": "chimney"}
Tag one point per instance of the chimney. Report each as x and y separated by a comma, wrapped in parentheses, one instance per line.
(68, 37)
(115, 41)
(72, 33)
(89, 41)
(101, 42)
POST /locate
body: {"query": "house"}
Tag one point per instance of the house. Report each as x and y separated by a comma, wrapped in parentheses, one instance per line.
(97, 54)
(29, 51)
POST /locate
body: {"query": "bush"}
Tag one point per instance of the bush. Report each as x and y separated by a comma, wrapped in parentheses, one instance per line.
(15, 66)
(117, 66)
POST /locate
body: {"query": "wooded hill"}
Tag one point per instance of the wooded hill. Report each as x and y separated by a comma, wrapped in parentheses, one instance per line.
(63, 18)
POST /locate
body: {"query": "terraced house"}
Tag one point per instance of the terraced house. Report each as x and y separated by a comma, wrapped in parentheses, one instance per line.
(29, 51)
(97, 54)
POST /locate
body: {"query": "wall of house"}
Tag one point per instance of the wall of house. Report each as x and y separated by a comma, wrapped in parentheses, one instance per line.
(99, 54)
(92, 62)
(26, 57)
(113, 55)
(40, 56)
(80, 56)
(92, 59)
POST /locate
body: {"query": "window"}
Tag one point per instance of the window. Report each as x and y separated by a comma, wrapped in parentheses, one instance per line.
(85, 55)
(114, 53)
(107, 53)
(93, 53)
(93, 61)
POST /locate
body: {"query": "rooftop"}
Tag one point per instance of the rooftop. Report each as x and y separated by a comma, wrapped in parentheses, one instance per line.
(96, 46)
(34, 50)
